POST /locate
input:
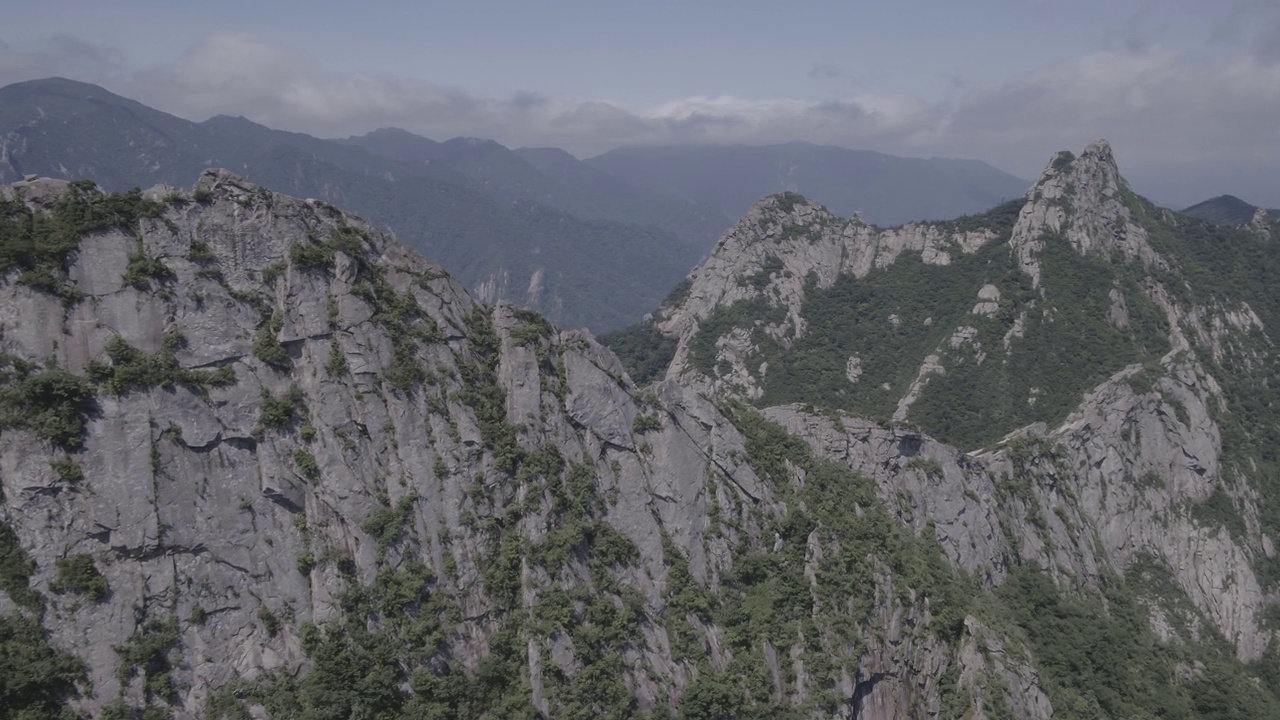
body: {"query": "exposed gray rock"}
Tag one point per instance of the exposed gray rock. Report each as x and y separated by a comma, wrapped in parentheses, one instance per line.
(190, 502)
(1083, 199)
(413, 395)
(809, 242)
(1111, 484)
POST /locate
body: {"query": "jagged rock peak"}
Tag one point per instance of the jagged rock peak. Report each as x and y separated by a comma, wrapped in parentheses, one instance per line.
(223, 183)
(771, 255)
(36, 191)
(214, 177)
(1261, 222)
(786, 202)
(287, 403)
(1097, 160)
(304, 453)
(264, 378)
(1086, 201)
(1098, 155)
(774, 214)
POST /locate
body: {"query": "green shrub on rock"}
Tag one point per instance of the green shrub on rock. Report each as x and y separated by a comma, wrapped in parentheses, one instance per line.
(78, 574)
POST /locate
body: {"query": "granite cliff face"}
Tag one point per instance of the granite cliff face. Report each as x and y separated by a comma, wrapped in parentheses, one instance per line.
(783, 245)
(1103, 362)
(259, 459)
(286, 431)
(1112, 484)
(206, 497)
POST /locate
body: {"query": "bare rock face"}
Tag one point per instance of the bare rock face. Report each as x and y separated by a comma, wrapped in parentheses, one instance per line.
(287, 405)
(985, 656)
(289, 447)
(196, 504)
(1083, 199)
(1263, 222)
(1142, 472)
(1112, 484)
(783, 242)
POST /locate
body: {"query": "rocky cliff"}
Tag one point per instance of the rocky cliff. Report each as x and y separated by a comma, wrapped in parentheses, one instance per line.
(259, 459)
(257, 455)
(1104, 363)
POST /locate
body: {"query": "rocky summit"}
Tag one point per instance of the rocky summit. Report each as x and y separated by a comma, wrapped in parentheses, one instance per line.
(1102, 367)
(258, 459)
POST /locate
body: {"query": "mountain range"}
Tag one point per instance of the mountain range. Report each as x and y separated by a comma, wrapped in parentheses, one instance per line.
(1229, 210)
(258, 458)
(588, 243)
(884, 189)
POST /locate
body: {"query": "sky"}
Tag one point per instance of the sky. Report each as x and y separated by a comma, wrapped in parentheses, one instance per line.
(1186, 91)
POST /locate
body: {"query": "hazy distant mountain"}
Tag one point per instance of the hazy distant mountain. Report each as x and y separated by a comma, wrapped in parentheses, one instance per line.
(613, 197)
(888, 190)
(459, 203)
(552, 177)
(1226, 210)
(593, 243)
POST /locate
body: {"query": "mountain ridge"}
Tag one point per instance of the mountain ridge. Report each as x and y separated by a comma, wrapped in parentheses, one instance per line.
(506, 247)
(1105, 294)
(582, 245)
(513, 178)
(786, 243)
(733, 177)
(301, 471)
(1230, 210)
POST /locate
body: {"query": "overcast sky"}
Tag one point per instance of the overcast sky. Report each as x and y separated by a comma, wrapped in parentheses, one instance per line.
(1187, 91)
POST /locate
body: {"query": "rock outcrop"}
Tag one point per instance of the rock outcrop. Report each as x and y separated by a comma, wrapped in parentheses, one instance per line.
(283, 406)
(1084, 200)
(1136, 456)
(783, 244)
(259, 459)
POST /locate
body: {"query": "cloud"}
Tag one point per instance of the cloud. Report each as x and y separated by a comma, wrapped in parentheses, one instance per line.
(1175, 119)
(824, 71)
(60, 55)
(1171, 120)
(1266, 44)
(243, 75)
(1153, 102)
(1131, 35)
(1252, 23)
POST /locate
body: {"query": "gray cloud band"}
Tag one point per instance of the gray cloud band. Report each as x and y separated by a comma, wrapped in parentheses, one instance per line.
(1159, 109)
